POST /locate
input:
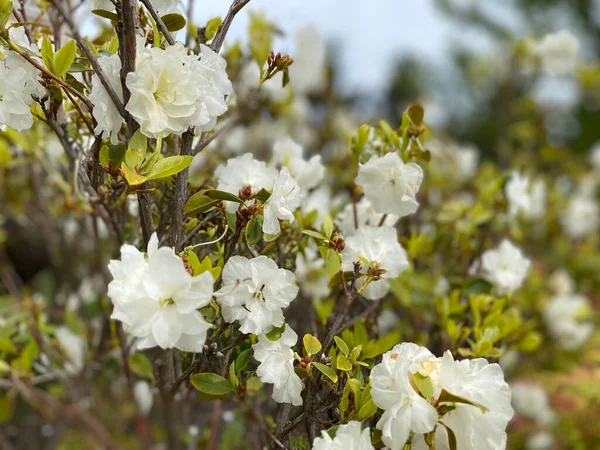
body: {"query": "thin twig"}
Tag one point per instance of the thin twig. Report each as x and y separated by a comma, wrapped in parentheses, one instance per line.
(219, 38)
(163, 28)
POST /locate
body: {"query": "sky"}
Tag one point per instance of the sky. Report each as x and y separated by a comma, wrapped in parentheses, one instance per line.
(367, 35)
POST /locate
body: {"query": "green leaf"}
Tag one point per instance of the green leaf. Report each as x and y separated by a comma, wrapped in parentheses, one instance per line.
(116, 153)
(368, 409)
(47, 53)
(133, 178)
(326, 370)
(211, 383)
(452, 444)
(243, 360)
(262, 195)
(341, 345)
(332, 262)
(424, 384)
(233, 378)
(212, 26)
(261, 34)
(231, 221)
(350, 398)
(416, 114)
(78, 68)
(7, 408)
(275, 333)
(106, 14)
(343, 363)
(253, 231)
(199, 203)
(174, 22)
(136, 151)
(270, 237)
(150, 161)
(222, 195)
(327, 226)
(194, 262)
(64, 58)
(141, 365)
(6, 8)
(311, 344)
(447, 397)
(169, 166)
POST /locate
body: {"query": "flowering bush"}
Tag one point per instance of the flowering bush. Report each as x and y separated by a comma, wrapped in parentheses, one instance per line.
(288, 277)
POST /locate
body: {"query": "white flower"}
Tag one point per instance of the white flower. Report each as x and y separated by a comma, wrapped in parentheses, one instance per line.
(457, 162)
(277, 366)
(561, 282)
(157, 299)
(254, 292)
(15, 61)
(243, 172)
(14, 109)
(531, 402)
(379, 253)
(558, 53)
(308, 73)
(313, 281)
(480, 382)
(526, 197)
(172, 91)
(387, 321)
(390, 185)
(505, 267)
(288, 153)
(106, 114)
(348, 436)
(365, 216)
(582, 216)
(142, 394)
(540, 440)
(74, 347)
(562, 317)
(318, 200)
(282, 203)
(391, 389)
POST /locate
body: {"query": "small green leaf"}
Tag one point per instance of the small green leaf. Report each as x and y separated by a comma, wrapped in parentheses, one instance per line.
(150, 161)
(211, 383)
(136, 150)
(343, 363)
(78, 68)
(106, 14)
(64, 58)
(7, 408)
(243, 360)
(116, 153)
(311, 344)
(327, 371)
(47, 53)
(174, 22)
(342, 345)
(233, 378)
(447, 397)
(332, 262)
(141, 365)
(194, 262)
(6, 8)
(424, 384)
(253, 231)
(212, 26)
(367, 410)
(270, 237)
(275, 333)
(231, 221)
(169, 166)
(416, 114)
(199, 203)
(327, 226)
(222, 195)
(133, 178)
(262, 195)
(452, 444)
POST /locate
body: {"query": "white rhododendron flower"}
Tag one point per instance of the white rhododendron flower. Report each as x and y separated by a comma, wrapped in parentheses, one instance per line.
(254, 292)
(531, 401)
(540, 440)
(365, 216)
(288, 153)
(477, 381)
(349, 436)
(526, 197)
(564, 316)
(106, 114)
(15, 61)
(277, 366)
(391, 389)
(14, 108)
(157, 299)
(561, 282)
(457, 162)
(74, 346)
(244, 172)
(313, 280)
(172, 90)
(558, 53)
(582, 216)
(505, 267)
(310, 62)
(142, 394)
(380, 256)
(318, 200)
(390, 185)
(282, 203)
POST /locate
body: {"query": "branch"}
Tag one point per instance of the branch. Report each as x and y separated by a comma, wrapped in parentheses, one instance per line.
(235, 8)
(180, 193)
(163, 28)
(90, 56)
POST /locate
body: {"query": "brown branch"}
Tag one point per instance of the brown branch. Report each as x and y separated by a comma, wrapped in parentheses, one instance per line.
(90, 56)
(219, 38)
(180, 193)
(163, 28)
